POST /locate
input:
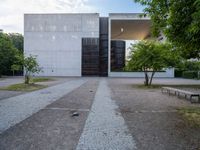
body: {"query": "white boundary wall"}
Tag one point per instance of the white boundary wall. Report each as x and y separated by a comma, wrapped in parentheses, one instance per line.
(169, 73)
(56, 39)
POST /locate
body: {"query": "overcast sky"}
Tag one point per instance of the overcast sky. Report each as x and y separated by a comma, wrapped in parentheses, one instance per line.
(11, 11)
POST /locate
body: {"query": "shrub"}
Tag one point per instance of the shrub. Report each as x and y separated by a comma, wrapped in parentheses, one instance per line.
(178, 73)
(190, 74)
(191, 65)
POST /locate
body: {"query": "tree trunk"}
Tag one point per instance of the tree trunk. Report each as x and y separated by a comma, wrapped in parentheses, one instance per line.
(27, 79)
(146, 82)
(151, 77)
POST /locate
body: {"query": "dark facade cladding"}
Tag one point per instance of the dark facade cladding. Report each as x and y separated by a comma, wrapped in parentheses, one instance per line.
(118, 55)
(90, 56)
(95, 52)
(103, 47)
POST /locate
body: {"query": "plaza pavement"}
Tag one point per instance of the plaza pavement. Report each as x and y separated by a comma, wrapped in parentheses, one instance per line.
(111, 115)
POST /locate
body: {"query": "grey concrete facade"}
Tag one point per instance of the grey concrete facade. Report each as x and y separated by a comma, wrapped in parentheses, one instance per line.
(56, 40)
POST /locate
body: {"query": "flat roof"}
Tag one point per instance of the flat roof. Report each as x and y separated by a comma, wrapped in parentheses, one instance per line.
(61, 13)
(128, 16)
(111, 15)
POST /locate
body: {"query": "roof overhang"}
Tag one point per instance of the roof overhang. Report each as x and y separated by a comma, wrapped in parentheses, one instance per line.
(129, 26)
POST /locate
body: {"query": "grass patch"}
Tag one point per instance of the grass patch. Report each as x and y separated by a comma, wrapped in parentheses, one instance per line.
(191, 115)
(23, 87)
(41, 79)
(157, 86)
(141, 86)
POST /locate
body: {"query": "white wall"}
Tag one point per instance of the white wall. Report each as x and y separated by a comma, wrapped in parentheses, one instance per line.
(56, 40)
(169, 73)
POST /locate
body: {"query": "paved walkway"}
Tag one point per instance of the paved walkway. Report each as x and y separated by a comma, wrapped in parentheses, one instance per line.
(105, 128)
(15, 109)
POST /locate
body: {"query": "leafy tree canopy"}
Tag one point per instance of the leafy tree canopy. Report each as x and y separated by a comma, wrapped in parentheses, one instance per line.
(17, 40)
(31, 66)
(7, 53)
(179, 20)
(151, 56)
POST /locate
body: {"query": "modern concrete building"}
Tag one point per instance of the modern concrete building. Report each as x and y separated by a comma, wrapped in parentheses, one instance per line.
(80, 44)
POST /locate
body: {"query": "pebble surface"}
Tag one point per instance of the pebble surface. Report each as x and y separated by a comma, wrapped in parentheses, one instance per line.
(105, 128)
(15, 109)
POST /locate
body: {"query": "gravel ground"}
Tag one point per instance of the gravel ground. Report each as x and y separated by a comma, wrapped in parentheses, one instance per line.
(53, 127)
(6, 81)
(10, 80)
(7, 94)
(105, 129)
(15, 109)
(152, 118)
(166, 81)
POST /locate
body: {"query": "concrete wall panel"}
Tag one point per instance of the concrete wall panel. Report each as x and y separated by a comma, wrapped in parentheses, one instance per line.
(52, 41)
(56, 39)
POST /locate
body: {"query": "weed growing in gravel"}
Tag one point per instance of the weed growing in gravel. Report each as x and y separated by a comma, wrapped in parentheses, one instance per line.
(191, 115)
(41, 79)
(23, 87)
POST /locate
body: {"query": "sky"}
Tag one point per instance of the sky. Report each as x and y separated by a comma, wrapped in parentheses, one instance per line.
(11, 11)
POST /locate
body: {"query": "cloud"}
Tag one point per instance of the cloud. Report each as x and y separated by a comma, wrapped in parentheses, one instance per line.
(11, 11)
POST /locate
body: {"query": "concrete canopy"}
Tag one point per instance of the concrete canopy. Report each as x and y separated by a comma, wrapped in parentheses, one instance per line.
(130, 29)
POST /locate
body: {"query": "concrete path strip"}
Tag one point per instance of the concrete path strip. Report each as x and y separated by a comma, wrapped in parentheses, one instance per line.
(105, 129)
(15, 109)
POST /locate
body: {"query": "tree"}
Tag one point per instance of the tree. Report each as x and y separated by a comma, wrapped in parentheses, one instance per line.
(150, 57)
(17, 41)
(14, 68)
(7, 54)
(158, 10)
(30, 67)
(179, 20)
(180, 28)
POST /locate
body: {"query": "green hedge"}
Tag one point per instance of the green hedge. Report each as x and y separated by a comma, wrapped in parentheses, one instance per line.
(190, 74)
(178, 73)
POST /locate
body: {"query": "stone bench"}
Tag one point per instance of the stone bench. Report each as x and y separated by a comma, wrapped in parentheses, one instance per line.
(177, 92)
